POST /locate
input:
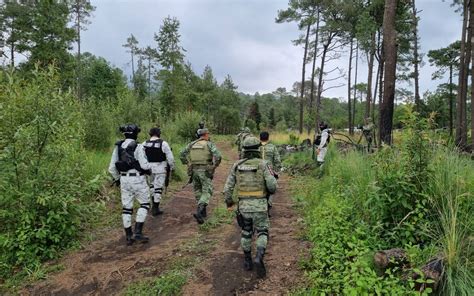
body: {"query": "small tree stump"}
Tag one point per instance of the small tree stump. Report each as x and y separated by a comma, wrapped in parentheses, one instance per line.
(390, 258)
(433, 270)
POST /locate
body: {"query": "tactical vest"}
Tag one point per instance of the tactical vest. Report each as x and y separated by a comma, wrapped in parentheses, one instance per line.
(154, 151)
(126, 156)
(200, 153)
(250, 179)
(267, 154)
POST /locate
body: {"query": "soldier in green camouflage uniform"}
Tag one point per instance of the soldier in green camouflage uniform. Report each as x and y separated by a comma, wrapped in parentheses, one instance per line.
(270, 153)
(254, 182)
(202, 158)
(244, 133)
(368, 132)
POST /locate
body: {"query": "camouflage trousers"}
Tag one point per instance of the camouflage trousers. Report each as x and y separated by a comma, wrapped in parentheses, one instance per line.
(254, 222)
(202, 186)
(132, 187)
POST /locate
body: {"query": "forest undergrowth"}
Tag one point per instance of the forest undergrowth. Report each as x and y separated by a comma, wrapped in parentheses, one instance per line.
(416, 196)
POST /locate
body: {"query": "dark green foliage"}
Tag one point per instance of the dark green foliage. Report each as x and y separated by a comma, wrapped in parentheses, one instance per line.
(100, 80)
(254, 114)
(42, 184)
(49, 38)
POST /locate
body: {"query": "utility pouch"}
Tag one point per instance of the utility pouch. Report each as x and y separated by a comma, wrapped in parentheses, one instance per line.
(240, 219)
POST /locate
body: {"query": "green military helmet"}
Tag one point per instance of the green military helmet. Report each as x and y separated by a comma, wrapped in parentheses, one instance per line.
(251, 144)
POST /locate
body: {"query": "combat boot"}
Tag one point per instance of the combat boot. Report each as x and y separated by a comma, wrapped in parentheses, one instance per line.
(129, 236)
(198, 214)
(260, 266)
(138, 233)
(155, 209)
(248, 264)
(204, 211)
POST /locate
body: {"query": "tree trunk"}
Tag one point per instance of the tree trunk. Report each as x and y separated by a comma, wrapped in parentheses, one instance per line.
(369, 76)
(133, 66)
(416, 57)
(471, 41)
(349, 107)
(12, 54)
(302, 78)
(320, 82)
(314, 60)
(461, 96)
(79, 61)
(390, 60)
(355, 85)
(375, 92)
(451, 100)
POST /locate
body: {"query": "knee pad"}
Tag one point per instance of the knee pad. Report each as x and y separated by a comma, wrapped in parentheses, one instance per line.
(127, 211)
(248, 225)
(262, 231)
(145, 206)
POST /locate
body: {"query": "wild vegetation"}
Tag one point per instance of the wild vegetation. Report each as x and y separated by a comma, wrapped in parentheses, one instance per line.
(60, 110)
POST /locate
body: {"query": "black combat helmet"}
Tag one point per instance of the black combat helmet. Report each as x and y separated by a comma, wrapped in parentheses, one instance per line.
(323, 126)
(201, 125)
(130, 130)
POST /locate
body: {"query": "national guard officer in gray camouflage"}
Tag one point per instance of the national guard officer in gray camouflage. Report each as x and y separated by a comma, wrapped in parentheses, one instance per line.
(160, 157)
(128, 167)
(254, 182)
(269, 152)
(202, 158)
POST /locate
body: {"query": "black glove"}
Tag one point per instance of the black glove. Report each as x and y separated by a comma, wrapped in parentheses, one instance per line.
(229, 203)
(276, 176)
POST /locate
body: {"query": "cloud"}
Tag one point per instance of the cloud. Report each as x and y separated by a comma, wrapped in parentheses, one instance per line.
(241, 38)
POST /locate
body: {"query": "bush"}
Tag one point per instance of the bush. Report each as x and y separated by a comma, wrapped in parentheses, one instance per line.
(184, 126)
(42, 164)
(99, 124)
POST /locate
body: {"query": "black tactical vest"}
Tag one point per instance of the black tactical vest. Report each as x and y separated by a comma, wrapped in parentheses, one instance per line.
(126, 156)
(154, 151)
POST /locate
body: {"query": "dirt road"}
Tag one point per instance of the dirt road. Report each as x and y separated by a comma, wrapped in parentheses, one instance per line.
(107, 266)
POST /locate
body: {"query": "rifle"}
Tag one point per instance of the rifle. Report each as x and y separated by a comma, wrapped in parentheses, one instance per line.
(168, 175)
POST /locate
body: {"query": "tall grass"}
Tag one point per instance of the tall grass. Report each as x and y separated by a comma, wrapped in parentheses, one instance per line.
(451, 191)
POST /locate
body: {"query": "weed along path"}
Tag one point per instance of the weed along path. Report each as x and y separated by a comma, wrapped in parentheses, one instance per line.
(182, 258)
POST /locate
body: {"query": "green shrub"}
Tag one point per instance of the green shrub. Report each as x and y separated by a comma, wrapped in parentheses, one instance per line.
(99, 124)
(41, 179)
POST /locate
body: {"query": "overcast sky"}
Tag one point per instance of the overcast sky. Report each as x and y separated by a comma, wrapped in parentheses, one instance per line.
(240, 38)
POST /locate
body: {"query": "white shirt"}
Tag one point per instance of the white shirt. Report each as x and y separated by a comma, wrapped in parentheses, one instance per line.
(324, 138)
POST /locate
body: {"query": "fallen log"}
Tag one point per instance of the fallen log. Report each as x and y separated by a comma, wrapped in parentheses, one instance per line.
(431, 274)
(390, 258)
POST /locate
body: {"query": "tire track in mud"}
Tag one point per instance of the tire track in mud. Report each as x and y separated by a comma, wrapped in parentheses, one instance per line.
(107, 266)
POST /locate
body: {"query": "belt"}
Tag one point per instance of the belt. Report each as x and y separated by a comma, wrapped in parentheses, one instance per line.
(251, 194)
(201, 166)
(131, 174)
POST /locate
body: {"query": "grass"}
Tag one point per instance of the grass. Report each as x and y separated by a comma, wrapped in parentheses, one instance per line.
(168, 284)
(220, 215)
(180, 269)
(350, 191)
